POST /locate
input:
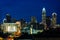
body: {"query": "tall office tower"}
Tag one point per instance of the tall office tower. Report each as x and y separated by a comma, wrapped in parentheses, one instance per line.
(48, 22)
(33, 22)
(33, 19)
(44, 17)
(54, 17)
(23, 22)
(7, 19)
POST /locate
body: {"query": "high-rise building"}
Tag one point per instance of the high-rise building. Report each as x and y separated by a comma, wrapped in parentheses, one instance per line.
(48, 21)
(7, 19)
(44, 17)
(54, 17)
(33, 19)
(33, 22)
(23, 22)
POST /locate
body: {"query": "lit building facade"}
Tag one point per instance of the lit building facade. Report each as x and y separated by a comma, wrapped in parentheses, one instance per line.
(44, 17)
(54, 17)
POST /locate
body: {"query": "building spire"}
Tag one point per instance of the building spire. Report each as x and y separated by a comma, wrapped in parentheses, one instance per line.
(43, 10)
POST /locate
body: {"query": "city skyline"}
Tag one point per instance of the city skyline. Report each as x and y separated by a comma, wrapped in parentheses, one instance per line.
(24, 9)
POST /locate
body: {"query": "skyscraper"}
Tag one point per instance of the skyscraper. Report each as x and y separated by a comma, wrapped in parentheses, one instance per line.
(22, 22)
(44, 17)
(54, 17)
(33, 19)
(33, 22)
(48, 21)
(7, 19)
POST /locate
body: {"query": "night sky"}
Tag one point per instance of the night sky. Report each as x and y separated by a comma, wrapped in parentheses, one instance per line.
(27, 8)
